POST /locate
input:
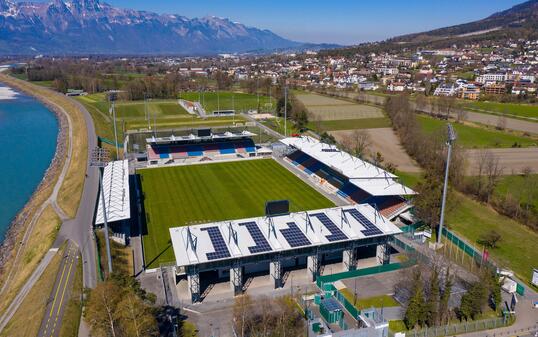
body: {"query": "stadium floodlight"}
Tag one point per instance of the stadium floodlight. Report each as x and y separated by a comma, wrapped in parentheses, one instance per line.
(100, 158)
(285, 111)
(450, 140)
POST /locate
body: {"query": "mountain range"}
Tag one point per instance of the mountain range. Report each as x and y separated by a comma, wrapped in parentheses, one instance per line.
(75, 27)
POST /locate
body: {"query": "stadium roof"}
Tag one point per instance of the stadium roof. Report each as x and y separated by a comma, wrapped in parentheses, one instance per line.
(368, 177)
(262, 235)
(192, 137)
(116, 189)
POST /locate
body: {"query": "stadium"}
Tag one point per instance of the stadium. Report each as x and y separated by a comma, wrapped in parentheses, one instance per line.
(219, 208)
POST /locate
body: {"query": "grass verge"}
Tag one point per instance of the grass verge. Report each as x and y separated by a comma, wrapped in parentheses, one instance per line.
(28, 317)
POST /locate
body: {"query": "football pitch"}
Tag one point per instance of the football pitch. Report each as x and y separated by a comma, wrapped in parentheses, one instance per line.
(185, 195)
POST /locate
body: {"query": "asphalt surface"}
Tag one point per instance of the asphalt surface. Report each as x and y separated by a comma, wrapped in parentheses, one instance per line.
(60, 294)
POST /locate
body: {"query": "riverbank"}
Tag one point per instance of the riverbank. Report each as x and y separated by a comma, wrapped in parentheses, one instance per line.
(57, 197)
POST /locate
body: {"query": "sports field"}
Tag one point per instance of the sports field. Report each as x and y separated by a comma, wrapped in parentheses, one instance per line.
(183, 195)
(327, 108)
(529, 111)
(227, 100)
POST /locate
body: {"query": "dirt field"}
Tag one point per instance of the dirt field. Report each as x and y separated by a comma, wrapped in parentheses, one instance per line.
(385, 141)
(328, 108)
(511, 160)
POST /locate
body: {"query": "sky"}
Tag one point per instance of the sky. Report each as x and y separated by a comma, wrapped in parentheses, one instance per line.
(337, 21)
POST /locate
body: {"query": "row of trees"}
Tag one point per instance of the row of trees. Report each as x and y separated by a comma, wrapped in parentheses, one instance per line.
(266, 317)
(295, 110)
(429, 151)
(428, 304)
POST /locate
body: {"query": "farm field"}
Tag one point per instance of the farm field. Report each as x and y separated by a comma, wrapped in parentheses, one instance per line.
(477, 137)
(183, 195)
(386, 142)
(226, 100)
(350, 124)
(328, 108)
(511, 160)
(529, 111)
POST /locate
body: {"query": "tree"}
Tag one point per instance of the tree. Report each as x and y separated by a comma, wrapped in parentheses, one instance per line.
(432, 304)
(241, 314)
(501, 123)
(414, 314)
(444, 310)
(490, 239)
(135, 316)
(101, 309)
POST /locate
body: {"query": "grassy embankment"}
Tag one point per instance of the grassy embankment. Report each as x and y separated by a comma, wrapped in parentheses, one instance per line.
(48, 223)
(28, 317)
(177, 196)
(471, 219)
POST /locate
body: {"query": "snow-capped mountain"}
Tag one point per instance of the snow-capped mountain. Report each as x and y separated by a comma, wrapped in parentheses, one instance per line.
(94, 27)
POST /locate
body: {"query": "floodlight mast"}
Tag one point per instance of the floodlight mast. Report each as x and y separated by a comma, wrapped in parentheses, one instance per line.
(99, 159)
(451, 138)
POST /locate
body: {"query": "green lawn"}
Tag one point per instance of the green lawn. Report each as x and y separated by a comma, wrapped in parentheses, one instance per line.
(517, 249)
(351, 124)
(224, 100)
(365, 303)
(516, 109)
(182, 195)
(516, 185)
(410, 179)
(277, 124)
(476, 137)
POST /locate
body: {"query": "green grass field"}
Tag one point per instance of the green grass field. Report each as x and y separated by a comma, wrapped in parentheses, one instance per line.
(477, 137)
(351, 124)
(516, 109)
(224, 100)
(516, 185)
(183, 195)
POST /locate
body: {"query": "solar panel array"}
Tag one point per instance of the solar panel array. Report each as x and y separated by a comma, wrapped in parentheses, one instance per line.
(331, 304)
(261, 242)
(370, 228)
(336, 233)
(219, 245)
(294, 235)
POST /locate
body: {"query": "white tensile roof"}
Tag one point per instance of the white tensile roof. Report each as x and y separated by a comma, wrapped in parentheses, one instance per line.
(368, 177)
(116, 189)
(191, 137)
(192, 244)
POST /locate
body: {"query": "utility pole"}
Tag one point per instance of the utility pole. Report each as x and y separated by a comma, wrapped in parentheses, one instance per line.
(449, 142)
(286, 111)
(100, 158)
(112, 99)
(233, 107)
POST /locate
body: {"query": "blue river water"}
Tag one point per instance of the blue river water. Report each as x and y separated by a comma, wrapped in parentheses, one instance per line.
(28, 131)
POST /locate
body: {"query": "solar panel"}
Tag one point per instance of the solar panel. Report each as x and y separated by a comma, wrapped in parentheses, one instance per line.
(336, 233)
(294, 235)
(331, 304)
(261, 242)
(370, 228)
(221, 250)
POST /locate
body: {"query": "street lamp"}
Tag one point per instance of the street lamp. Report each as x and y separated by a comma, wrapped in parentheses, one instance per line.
(449, 142)
(100, 158)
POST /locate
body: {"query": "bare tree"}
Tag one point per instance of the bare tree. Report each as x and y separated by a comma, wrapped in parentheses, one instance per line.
(493, 172)
(461, 115)
(501, 123)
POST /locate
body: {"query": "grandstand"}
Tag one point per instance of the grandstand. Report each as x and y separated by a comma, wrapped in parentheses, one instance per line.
(349, 177)
(272, 243)
(203, 145)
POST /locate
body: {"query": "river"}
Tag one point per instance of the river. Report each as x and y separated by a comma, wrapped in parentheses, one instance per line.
(28, 132)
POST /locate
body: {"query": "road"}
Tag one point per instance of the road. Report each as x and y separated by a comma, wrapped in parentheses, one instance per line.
(79, 229)
(60, 294)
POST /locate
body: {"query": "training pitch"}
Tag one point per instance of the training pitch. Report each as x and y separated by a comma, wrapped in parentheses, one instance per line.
(185, 195)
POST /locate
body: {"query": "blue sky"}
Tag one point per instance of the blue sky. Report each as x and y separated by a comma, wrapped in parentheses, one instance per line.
(338, 21)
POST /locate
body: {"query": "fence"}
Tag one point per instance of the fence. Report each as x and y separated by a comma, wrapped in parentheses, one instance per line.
(354, 312)
(475, 254)
(461, 328)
